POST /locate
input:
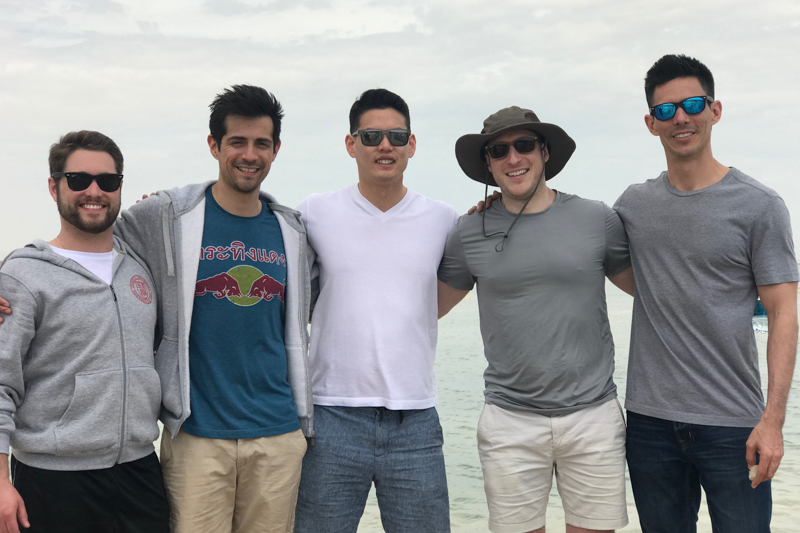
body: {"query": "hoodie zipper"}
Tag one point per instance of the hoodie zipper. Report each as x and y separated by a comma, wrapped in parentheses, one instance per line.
(124, 374)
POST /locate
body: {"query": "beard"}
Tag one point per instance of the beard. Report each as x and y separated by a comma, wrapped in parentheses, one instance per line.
(71, 214)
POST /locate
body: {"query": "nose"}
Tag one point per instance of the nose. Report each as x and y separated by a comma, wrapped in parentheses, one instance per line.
(681, 116)
(385, 145)
(513, 155)
(93, 189)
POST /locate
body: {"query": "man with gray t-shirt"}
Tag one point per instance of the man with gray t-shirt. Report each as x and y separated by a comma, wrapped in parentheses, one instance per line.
(706, 240)
(540, 258)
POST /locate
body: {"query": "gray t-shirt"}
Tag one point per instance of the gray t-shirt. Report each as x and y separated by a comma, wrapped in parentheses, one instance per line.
(542, 301)
(697, 258)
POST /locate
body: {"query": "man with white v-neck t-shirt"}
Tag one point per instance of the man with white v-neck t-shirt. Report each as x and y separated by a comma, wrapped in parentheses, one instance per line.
(373, 337)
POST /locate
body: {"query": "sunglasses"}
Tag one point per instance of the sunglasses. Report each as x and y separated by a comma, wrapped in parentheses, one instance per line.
(692, 106)
(80, 181)
(374, 137)
(523, 145)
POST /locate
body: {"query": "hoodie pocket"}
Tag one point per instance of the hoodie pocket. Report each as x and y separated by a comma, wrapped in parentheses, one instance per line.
(91, 423)
(144, 402)
(166, 363)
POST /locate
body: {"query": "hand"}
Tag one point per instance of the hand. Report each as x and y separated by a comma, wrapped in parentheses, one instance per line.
(496, 195)
(137, 201)
(11, 508)
(5, 308)
(766, 439)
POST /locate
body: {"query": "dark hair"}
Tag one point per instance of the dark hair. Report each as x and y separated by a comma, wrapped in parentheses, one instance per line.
(244, 101)
(673, 66)
(83, 140)
(377, 99)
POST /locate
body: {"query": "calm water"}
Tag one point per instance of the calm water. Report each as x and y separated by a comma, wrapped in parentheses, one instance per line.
(459, 367)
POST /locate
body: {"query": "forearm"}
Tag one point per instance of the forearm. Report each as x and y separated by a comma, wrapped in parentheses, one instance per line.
(781, 356)
(4, 466)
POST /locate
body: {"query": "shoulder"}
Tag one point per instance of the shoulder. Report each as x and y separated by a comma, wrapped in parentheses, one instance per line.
(434, 207)
(324, 200)
(752, 186)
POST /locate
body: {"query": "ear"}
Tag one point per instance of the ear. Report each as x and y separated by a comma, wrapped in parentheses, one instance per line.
(716, 109)
(350, 145)
(649, 121)
(212, 145)
(275, 151)
(545, 154)
(412, 145)
(52, 186)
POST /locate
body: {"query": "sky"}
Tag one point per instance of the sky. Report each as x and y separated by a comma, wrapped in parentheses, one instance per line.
(144, 71)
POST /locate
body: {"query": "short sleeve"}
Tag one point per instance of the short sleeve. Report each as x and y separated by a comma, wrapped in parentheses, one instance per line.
(617, 256)
(771, 246)
(454, 270)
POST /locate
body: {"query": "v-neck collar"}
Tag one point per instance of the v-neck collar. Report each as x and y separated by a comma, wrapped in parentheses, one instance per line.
(372, 210)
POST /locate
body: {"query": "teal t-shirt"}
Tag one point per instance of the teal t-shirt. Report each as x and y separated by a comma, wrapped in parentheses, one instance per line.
(237, 358)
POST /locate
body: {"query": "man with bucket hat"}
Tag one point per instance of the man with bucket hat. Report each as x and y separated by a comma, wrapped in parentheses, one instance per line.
(539, 258)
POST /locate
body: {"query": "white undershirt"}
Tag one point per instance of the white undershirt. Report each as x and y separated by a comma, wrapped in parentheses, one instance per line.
(374, 326)
(100, 264)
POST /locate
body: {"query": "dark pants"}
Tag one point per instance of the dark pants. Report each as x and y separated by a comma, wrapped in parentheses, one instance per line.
(126, 498)
(669, 462)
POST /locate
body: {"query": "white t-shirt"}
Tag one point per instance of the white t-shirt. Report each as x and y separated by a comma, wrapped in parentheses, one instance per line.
(100, 264)
(374, 326)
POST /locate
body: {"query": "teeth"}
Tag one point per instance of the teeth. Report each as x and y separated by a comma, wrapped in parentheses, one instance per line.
(385, 161)
(517, 173)
(91, 206)
(682, 135)
(247, 169)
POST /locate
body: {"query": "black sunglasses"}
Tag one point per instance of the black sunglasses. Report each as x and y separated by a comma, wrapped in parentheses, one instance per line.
(523, 145)
(80, 181)
(691, 106)
(374, 137)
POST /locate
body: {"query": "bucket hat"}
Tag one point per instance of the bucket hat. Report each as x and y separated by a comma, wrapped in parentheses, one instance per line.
(469, 148)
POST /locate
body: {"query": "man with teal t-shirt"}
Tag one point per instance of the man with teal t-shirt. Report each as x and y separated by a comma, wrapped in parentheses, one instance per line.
(229, 265)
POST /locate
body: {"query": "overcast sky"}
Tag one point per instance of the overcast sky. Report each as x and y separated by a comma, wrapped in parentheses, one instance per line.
(144, 71)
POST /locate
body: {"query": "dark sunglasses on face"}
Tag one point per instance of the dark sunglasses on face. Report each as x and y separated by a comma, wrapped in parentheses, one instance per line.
(523, 145)
(374, 137)
(691, 106)
(80, 181)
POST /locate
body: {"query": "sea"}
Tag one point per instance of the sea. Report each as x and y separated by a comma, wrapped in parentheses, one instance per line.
(459, 369)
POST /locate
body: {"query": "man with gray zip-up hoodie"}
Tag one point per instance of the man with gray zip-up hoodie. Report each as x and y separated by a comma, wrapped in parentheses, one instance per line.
(233, 284)
(79, 395)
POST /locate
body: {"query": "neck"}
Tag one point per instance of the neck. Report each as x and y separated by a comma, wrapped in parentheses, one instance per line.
(242, 204)
(71, 238)
(541, 200)
(696, 173)
(383, 196)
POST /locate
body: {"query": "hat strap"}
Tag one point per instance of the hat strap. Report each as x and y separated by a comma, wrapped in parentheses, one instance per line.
(500, 246)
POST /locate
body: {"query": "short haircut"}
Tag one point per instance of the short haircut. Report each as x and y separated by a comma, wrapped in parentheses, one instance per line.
(377, 99)
(673, 66)
(244, 101)
(83, 140)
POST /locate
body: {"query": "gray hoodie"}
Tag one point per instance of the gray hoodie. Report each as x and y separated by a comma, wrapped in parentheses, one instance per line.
(166, 230)
(78, 388)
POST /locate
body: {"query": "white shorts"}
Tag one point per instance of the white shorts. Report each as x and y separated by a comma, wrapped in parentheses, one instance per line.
(519, 451)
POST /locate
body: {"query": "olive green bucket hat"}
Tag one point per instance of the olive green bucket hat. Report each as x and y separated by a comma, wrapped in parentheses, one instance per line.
(469, 148)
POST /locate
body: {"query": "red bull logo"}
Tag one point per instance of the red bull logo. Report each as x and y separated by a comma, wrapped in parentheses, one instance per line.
(242, 285)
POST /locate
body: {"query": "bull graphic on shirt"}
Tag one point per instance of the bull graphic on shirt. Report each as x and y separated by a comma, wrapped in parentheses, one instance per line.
(242, 285)
(221, 286)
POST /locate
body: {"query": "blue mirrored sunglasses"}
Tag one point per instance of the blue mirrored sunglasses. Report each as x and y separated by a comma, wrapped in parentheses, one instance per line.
(692, 106)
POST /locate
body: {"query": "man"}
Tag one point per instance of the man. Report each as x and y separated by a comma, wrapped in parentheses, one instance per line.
(540, 258)
(706, 240)
(231, 263)
(373, 337)
(79, 395)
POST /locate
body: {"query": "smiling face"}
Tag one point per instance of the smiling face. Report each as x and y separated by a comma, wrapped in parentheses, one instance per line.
(517, 174)
(385, 163)
(91, 210)
(245, 153)
(684, 136)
